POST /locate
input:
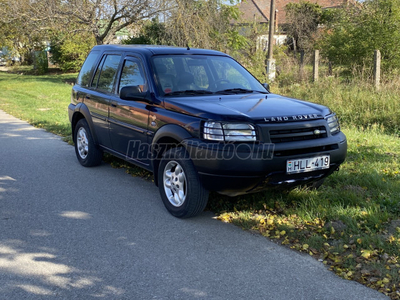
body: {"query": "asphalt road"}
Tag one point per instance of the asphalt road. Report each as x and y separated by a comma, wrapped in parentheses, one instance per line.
(70, 232)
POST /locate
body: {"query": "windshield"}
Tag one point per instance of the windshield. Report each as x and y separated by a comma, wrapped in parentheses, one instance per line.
(202, 75)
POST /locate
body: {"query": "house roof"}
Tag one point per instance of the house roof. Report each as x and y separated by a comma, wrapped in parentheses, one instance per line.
(259, 10)
(255, 10)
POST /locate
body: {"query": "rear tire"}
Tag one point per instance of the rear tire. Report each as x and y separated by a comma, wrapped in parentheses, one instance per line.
(87, 152)
(180, 188)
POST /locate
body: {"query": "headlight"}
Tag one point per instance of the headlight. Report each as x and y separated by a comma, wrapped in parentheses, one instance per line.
(333, 123)
(229, 132)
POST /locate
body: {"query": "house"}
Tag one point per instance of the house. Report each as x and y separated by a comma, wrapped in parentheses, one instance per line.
(259, 10)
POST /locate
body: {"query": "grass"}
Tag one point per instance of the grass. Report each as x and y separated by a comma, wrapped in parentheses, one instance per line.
(40, 100)
(350, 94)
(357, 103)
(351, 224)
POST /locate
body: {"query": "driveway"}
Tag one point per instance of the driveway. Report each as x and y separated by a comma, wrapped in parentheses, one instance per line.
(71, 232)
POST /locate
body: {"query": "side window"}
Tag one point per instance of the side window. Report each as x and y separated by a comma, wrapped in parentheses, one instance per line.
(84, 75)
(133, 74)
(105, 74)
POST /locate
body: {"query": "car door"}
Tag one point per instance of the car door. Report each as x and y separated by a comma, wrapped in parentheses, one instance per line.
(129, 119)
(99, 95)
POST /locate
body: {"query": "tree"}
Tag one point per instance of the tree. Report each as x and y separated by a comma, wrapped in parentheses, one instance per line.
(204, 24)
(101, 18)
(15, 32)
(359, 31)
(303, 20)
(151, 33)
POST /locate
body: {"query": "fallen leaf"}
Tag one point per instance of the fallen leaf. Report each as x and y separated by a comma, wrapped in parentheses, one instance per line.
(367, 253)
(385, 280)
(349, 273)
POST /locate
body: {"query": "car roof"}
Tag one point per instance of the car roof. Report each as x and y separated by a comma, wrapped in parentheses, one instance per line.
(157, 50)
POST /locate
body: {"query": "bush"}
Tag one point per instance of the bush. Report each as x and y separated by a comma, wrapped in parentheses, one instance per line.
(69, 52)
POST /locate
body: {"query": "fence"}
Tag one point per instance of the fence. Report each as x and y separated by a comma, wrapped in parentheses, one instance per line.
(315, 61)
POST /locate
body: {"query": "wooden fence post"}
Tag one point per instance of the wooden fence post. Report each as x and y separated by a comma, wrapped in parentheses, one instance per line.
(315, 65)
(377, 68)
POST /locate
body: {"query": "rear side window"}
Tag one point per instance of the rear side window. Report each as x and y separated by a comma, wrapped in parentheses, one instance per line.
(84, 75)
(106, 72)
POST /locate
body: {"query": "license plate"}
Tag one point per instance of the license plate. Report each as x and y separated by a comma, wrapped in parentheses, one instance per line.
(308, 164)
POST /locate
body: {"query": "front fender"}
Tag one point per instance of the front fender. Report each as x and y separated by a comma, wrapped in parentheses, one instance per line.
(171, 131)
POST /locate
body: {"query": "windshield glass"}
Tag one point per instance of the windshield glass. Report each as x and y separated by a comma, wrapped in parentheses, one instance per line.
(202, 75)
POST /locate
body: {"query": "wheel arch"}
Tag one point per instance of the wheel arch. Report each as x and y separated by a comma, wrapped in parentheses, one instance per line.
(82, 112)
(167, 137)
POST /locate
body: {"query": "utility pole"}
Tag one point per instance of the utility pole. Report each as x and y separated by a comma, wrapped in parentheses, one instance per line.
(270, 60)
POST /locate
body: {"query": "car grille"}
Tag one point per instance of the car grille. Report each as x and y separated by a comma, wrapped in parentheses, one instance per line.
(298, 134)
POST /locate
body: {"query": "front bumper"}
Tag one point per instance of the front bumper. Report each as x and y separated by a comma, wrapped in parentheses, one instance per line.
(235, 169)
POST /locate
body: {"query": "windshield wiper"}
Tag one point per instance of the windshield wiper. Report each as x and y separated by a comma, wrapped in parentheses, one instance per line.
(189, 92)
(238, 91)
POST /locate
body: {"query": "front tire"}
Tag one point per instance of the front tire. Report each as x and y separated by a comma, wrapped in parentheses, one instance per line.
(181, 190)
(86, 150)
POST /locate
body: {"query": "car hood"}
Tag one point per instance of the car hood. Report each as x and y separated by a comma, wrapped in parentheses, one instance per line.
(254, 107)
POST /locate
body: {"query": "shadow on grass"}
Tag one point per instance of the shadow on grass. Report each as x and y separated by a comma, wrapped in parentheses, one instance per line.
(53, 76)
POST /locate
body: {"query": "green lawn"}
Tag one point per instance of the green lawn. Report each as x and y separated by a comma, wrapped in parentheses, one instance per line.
(351, 224)
(40, 100)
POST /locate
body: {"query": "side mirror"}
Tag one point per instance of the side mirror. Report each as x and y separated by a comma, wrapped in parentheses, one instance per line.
(132, 92)
(266, 86)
